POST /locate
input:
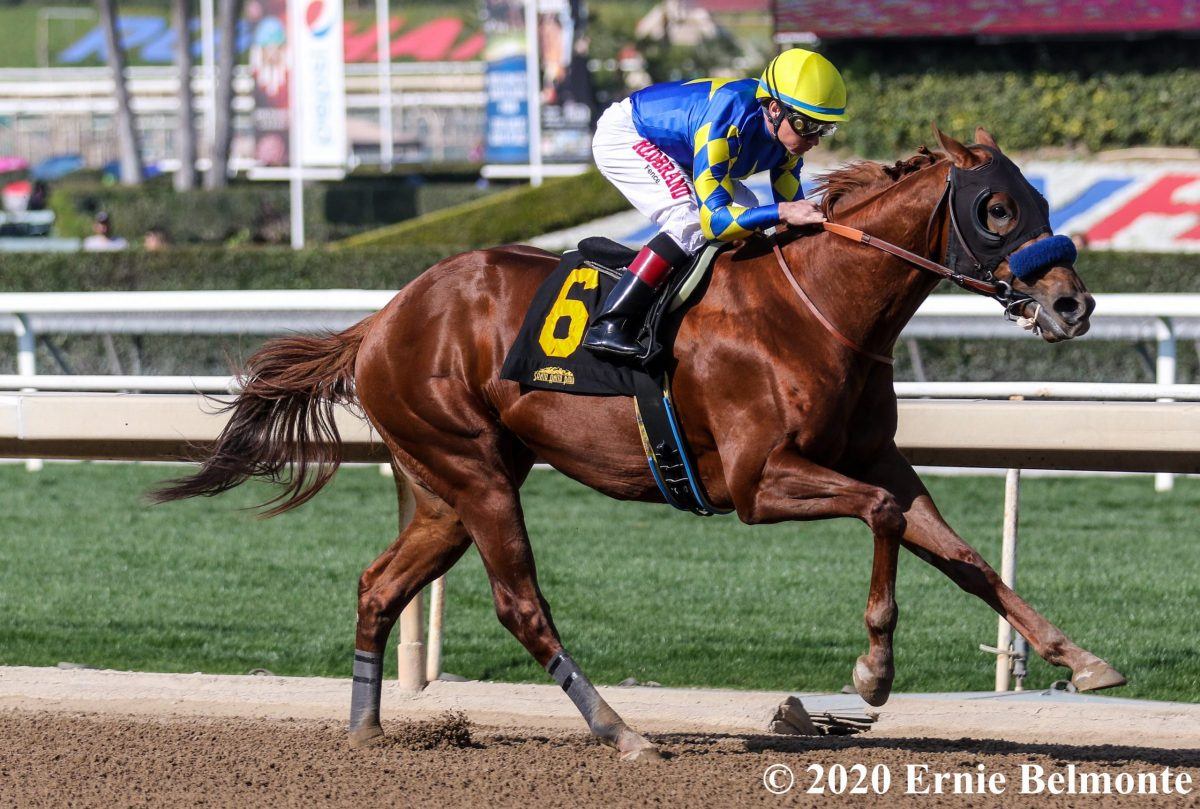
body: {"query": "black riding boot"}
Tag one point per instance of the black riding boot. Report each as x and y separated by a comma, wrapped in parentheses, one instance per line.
(615, 330)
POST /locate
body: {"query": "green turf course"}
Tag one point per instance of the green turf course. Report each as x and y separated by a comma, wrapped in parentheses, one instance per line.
(89, 574)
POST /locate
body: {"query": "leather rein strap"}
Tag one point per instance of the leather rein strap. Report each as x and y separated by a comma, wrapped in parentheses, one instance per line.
(812, 307)
(965, 281)
(974, 284)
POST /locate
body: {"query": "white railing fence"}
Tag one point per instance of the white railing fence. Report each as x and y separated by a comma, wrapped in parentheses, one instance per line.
(1161, 319)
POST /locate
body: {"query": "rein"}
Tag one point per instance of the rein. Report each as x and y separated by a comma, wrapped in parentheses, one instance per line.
(824, 321)
(1035, 256)
(989, 288)
(1000, 291)
(1011, 301)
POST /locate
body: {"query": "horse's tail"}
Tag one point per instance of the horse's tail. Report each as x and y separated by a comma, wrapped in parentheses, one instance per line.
(281, 426)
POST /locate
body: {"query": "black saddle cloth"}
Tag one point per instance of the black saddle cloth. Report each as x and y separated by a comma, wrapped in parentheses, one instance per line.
(548, 352)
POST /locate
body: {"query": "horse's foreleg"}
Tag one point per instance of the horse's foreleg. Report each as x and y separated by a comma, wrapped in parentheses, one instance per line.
(794, 488)
(495, 521)
(932, 539)
(425, 550)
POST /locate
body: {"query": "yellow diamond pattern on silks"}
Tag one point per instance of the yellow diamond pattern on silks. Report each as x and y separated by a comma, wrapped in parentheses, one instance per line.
(714, 84)
(718, 151)
(786, 186)
(706, 185)
(733, 230)
(701, 139)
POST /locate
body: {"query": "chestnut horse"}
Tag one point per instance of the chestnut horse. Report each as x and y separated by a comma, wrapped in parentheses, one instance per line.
(786, 422)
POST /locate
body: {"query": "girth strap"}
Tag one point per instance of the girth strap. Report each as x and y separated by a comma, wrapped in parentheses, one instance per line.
(812, 307)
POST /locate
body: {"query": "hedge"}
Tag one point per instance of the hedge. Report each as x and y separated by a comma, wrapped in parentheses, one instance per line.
(258, 212)
(1090, 95)
(505, 217)
(215, 268)
(391, 267)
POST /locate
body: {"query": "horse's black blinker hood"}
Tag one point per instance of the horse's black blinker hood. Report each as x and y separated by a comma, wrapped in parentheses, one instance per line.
(977, 250)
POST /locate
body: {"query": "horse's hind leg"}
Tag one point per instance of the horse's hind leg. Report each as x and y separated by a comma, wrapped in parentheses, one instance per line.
(493, 516)
(931, 538)
(429, 546)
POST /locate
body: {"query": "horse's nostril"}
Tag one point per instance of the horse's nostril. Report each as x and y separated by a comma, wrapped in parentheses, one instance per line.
(1069, 308)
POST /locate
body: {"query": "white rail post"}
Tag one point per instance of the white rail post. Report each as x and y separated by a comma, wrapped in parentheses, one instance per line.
(437, 613)
(383, 61)
(27, 365)
(1020, 659)
(1008, 574)
(1164, 374)
(410, 651)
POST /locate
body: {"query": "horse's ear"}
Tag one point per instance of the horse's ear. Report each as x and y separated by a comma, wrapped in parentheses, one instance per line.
(959, 155)
(982, 136)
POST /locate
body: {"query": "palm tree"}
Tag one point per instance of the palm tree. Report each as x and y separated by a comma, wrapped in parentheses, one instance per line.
(127, 140)
(185, 177)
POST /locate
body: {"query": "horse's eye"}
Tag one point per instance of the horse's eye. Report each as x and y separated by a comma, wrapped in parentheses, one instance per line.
(998, 212)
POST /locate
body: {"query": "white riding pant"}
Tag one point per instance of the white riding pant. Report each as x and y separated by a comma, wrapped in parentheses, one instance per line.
(652, 182)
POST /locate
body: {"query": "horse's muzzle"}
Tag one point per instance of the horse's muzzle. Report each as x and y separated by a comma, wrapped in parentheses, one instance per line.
(1069, 316)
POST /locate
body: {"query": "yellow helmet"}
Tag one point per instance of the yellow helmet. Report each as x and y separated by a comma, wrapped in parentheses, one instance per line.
(807, 82)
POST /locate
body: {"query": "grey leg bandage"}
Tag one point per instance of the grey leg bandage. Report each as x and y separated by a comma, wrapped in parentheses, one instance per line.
(364, 697)
(603, 721)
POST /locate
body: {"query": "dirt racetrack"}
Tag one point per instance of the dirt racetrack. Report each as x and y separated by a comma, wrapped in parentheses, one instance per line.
(129, 752)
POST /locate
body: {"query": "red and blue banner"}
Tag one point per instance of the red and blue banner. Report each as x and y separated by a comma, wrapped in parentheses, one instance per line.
(1124, 206)
(150, 40)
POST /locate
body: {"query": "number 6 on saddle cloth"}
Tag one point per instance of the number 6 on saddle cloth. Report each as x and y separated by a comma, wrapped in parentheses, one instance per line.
(547, 355)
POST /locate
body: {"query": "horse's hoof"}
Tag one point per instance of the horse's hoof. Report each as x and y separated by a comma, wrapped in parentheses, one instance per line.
(633, 747)
(647, 753)
(365, 736)
(873, 688)
(1097, 675)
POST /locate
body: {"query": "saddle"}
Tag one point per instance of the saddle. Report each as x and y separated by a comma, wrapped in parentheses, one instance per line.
(547, 354)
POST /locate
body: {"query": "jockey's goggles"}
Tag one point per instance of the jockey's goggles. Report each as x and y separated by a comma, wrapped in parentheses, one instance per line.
(806, 127)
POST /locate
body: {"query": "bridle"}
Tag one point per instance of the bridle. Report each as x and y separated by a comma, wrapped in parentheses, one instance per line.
(985, 284)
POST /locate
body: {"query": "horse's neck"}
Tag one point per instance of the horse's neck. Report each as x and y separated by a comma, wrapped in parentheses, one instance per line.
(869, 294)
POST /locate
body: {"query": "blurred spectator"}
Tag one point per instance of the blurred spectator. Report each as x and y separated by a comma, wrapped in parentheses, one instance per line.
(155, 239)
(102, 238)
(39, 196)
(1080, 240)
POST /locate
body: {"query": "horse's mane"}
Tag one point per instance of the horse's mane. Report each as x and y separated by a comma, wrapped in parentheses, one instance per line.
(861, 179)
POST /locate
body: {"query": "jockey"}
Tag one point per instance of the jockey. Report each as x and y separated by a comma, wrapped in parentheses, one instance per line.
(677, 151)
